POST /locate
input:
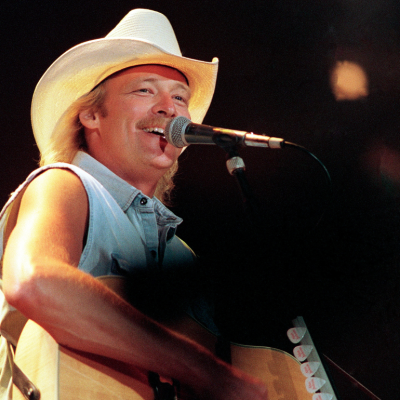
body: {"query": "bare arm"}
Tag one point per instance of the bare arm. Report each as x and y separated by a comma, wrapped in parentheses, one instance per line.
(42, 281)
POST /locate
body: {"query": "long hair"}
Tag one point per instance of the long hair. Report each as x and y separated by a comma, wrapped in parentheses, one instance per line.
(69, 137)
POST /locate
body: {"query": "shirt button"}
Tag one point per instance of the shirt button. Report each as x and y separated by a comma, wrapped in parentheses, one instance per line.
(143, 201)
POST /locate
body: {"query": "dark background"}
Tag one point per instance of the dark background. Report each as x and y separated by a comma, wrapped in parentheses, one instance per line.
(341, 274)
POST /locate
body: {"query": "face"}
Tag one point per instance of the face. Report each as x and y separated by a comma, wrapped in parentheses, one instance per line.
(138, 101)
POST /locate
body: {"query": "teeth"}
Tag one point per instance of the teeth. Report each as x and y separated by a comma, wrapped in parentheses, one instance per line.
(159, 131)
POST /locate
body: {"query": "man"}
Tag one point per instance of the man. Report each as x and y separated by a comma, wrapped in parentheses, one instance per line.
(99, 111)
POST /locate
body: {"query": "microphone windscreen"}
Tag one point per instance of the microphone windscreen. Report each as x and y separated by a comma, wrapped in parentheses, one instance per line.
(175, 131)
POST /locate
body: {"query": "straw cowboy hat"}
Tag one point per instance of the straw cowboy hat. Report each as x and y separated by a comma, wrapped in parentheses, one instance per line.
(141, 37)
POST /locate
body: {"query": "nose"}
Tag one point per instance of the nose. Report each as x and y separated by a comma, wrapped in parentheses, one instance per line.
(165, 106)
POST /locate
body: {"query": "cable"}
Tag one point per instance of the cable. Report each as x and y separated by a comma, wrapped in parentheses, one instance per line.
(321, 164)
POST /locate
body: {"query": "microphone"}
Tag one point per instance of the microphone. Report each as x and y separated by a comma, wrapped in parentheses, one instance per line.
(181, 132)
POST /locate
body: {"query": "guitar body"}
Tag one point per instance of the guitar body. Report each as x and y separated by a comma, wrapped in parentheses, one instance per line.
(63, 374)
(277, 369)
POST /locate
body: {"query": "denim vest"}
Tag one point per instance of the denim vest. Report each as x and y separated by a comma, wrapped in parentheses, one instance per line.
(127, 230)
(129, 235)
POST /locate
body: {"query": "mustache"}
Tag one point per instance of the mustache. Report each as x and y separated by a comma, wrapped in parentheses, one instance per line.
(152, 122)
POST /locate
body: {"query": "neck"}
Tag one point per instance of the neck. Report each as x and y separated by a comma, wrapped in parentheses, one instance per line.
(144, 179)
(145, 187)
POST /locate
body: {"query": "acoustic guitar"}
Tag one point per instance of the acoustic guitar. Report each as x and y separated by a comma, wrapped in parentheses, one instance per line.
(58, 373)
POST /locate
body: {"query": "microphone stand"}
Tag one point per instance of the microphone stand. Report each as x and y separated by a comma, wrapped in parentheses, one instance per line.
(236, 168)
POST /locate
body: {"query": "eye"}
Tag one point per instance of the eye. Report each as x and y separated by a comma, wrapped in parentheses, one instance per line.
(140, 90)
(181, 99)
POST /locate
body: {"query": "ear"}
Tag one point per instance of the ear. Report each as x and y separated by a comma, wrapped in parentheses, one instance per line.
(89, 119)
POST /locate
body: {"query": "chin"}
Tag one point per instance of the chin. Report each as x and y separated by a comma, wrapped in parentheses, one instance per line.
(164, 166)
(162, 159)
(171, 153)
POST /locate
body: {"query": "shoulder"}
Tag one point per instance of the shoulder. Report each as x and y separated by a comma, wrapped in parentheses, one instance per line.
(50, 214)
(56, 183)
(54, 194)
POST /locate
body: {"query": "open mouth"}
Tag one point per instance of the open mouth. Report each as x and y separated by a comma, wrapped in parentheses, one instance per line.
(156, 131)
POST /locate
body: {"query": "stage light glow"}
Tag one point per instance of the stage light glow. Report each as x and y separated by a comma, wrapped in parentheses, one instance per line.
(349, 81)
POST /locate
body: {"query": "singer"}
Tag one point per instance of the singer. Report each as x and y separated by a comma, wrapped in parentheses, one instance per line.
(95, 208)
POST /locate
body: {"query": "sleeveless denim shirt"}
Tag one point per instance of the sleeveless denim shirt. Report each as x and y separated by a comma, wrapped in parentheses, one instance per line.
(126, 230)
(129, 235)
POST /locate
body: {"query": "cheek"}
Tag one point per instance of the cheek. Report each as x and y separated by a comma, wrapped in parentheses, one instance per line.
(186, 114)
(183, 112)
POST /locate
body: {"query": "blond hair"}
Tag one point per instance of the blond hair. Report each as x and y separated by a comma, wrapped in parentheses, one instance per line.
(69, 137)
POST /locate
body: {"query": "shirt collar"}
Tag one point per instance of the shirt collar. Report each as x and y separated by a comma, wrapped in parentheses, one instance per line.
(122, 192)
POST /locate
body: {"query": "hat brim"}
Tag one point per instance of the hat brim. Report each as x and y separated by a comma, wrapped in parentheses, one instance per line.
(80, 69)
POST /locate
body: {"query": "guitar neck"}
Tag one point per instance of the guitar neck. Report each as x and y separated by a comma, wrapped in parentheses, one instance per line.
(317, 382)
